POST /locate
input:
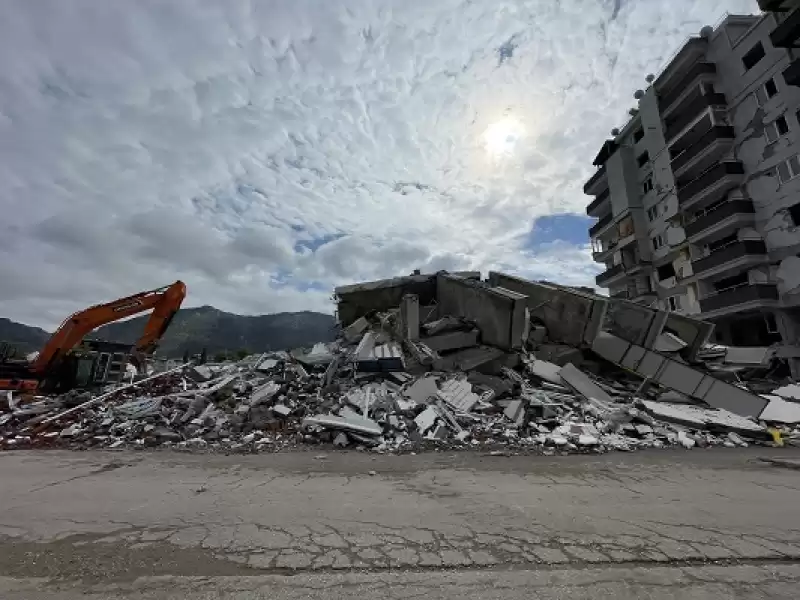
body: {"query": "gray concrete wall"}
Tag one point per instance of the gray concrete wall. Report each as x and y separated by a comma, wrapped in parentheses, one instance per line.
(499, 315)
(571, 317)
(629, 320)
(356, 300)
(692, 331)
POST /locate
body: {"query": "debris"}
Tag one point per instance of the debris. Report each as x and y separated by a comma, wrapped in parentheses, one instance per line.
(438, 361)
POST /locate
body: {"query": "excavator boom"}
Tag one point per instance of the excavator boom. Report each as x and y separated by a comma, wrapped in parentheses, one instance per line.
(165, 302)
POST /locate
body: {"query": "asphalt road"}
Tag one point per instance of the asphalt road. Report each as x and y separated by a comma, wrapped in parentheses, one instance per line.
(665, 524)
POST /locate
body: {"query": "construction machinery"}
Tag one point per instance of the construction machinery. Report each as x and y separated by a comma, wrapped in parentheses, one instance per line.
(56, 365)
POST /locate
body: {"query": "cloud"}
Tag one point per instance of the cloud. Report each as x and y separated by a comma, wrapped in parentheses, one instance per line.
(265, 152)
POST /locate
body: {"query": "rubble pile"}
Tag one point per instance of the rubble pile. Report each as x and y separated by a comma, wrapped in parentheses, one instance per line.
(399, 379)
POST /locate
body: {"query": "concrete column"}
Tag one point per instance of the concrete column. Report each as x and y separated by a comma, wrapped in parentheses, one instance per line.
(409, 317)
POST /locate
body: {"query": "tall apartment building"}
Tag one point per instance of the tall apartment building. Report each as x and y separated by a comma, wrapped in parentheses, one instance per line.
(698, 195)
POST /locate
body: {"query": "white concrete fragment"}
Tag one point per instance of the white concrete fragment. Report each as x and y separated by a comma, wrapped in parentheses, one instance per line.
(780, 411)
(281, 410)
(341, 440)
(426, 419)
(586, 439)
(358, 425)
(668, 342)
(737, 439)
(458, 394)
(516, 412)
(789, 391)
(685, 441)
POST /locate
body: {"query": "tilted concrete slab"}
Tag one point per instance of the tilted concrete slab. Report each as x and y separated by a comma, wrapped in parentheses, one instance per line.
(499, 313)
(679, 376)
(571, 317)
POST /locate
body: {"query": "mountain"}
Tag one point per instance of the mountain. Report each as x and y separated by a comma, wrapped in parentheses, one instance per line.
(26, 339)
(193, 329)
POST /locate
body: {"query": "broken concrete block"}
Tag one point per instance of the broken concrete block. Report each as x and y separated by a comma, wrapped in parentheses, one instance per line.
(426, 419)
(560, 354)
(264, 393)
(516, 412)
(545, 370)
(353, 332)
(282, 410)
(581, 384)
(780, 411)
(737, 439)
(468, 359)
(537, 334)
(458, 394)
(341, 440)
(585, 439)
(452, 340)
(685, 440)
(447, 323)
(199, 373)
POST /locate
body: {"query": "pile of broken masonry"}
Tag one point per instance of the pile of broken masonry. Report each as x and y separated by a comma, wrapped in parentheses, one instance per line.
(423, 361)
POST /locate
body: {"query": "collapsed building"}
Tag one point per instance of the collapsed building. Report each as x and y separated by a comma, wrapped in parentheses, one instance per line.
(448, 360)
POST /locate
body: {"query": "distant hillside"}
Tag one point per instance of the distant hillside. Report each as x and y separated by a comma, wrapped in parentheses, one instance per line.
(25, 338)
(193, 329)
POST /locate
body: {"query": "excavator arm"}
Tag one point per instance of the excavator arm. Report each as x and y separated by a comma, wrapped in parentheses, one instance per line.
(165, 302)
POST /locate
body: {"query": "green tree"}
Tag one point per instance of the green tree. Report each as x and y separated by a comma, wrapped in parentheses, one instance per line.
(220, 357)
(241, 353)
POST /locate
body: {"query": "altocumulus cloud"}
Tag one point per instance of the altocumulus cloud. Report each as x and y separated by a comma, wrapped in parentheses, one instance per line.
(267, 151)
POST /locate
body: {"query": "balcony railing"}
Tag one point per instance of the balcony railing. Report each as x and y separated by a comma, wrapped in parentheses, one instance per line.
(688, 111)
(701, 68)
(786, 34)
(736, 250)
(739, 295)
(594, 229)
(725, 210)
(594, 179)
(597, 201)
(708, 178)
(609, 274)
(717, 132)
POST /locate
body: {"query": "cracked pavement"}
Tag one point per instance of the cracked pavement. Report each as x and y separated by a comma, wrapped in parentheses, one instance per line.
(163, 525)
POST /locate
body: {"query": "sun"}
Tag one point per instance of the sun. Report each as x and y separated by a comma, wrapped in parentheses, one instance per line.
(501, 138)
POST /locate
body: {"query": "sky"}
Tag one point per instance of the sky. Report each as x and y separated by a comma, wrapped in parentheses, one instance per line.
(266, 151)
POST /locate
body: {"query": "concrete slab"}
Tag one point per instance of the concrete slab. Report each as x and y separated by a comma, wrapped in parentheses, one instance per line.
(358, 425)
(582, 385)
(466, 360)
(353, 332)
(452, 340)
(422, 390)
(545, 370)
(409, 317)
(780, 411)
(499, 313)
(458, 394)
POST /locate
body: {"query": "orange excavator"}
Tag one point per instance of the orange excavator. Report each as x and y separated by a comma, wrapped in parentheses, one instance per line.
(49, 366)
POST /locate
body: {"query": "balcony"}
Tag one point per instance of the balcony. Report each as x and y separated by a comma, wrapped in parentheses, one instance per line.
(792, 73)
(597, 182)
(667, 99)
(703, 141)
(732, 213)
(753, 250)
(600, 225)
(711, 186)
(751, 294)
(787, 34)
(595, 204)
(689, 108)
(609, 274)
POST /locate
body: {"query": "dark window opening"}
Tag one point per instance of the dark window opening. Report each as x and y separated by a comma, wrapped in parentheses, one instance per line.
(665, 271)
(794, 212)
(770, 88)
(638, 135)
(729, 282)
(643, 158)
(708, 88)
(781, 126)
(721, 243)
(772, 324)
(755, 54)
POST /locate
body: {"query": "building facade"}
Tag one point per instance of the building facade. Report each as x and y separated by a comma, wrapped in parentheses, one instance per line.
(698, 196)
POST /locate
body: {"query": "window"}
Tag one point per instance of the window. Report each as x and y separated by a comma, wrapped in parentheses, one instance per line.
(794, 212)
(755, 54)
(776, 129)
(665, 271)
(772, 324)
(658, 241)
(674, 303)
(653, 212)
(638, 135)
(708, 88)
(766, 91)
(643, 158)
(789, 169)
(647, 186)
